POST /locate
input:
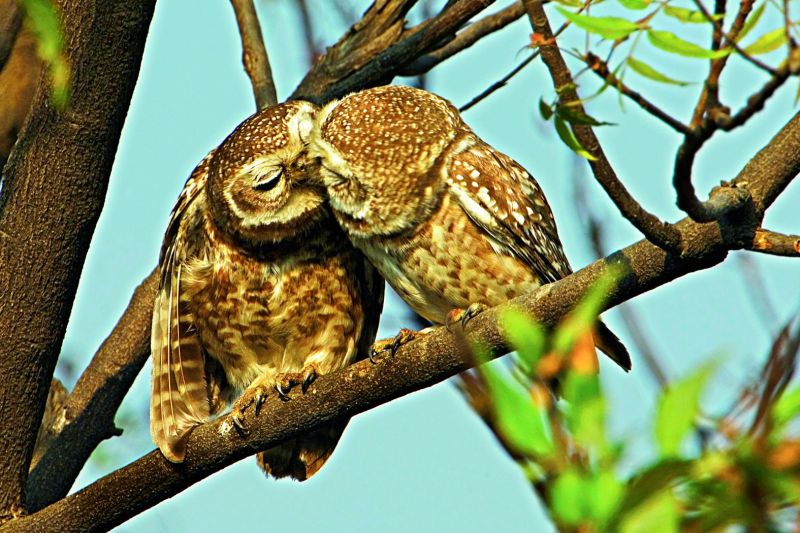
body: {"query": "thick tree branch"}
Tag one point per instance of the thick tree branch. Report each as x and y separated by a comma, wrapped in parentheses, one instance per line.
(466, 38)
(87, 416)
(661, 233)
(53, 190)
(254, 54)
(426, 361)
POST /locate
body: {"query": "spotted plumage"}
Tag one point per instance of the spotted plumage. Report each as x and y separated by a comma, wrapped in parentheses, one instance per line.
(448, 220)
(258, 287)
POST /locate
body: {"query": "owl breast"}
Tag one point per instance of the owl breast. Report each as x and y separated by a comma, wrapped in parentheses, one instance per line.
(263, 317)
(448, 262)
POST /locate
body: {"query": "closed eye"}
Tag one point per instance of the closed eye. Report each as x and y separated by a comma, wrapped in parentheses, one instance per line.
(268, 182)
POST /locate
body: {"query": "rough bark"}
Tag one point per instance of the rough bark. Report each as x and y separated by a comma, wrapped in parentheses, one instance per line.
(53, 191)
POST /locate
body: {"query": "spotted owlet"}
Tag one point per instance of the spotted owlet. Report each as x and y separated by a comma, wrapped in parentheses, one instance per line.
(448, 220)
(260, 290)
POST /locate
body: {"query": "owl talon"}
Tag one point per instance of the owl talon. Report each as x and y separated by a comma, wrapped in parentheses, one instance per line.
(463, 316)
(282, 393)
(404, 336)
(261, 397)
(239, 425)
(308, 379)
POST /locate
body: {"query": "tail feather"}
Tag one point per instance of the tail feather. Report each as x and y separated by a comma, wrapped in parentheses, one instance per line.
(302, 457)
(609, 344)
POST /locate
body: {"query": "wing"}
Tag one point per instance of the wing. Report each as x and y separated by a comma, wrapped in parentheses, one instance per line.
(504, 200)
(179, 398)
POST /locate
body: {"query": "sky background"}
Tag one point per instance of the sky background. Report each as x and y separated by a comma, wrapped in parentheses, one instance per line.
(424, 462)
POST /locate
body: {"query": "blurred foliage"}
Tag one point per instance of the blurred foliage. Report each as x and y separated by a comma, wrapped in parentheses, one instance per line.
(621, 32)
(43, 18)
(742, 470)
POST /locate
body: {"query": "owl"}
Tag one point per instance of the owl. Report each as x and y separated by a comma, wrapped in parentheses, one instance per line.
(450, 222)
(260, 290)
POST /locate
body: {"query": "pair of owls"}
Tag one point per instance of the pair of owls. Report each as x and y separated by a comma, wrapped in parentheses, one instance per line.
(261, 289)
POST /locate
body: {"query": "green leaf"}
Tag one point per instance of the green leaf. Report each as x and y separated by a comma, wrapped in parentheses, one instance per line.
(657, 514)
(670, 42)
(44, 21)
(767, 43)
(653, 480)
(751, 22)
(522, 423)
(605, 496)
(635, 4)
(687, 15)
(569, 139)
(585, 313)
(573, 115)
(571, 493)
(677, 408)
(545, 110)
(526, 336)
(787, 407)
(611, 28)
(643, 69)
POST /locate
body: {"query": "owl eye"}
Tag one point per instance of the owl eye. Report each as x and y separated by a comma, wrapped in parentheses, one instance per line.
(267, 182)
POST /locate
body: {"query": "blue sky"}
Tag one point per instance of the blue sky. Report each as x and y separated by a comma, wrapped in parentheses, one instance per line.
(424, 462)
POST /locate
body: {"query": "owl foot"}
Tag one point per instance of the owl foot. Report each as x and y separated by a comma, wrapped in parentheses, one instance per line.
(285, 381)
(254, 395)
(462, 316)
(404, 336)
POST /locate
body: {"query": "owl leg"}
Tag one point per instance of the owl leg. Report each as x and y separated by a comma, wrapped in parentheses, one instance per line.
(254, 395)
(285, 381)
(462, 316)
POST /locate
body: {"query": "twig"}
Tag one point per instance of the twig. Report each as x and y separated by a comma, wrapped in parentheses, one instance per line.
(87, 417)
(661, 233)
(254, 54)
(770, 242)
(600, 67)
(466, 38)
(308, 31)
(500, 83)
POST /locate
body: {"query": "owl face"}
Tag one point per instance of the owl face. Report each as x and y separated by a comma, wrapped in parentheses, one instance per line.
(378, 152)
(259, 177)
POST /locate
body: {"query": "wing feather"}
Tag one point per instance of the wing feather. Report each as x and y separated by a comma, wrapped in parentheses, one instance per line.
(179, 390)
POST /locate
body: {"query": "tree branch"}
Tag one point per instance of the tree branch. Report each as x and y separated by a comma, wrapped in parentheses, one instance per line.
(427, 360)
(387, 55)
(87, 416)
(464, 39)
(254, 54)
(770, 242)
(661, 233)
(53, 191)
(600, 67)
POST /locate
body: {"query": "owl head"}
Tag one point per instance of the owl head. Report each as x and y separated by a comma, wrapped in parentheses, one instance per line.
(379, 157)
(259, 188)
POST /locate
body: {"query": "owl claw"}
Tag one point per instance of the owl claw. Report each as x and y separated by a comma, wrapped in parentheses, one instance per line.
(404, 336)
(236, 418)
(462, 316)
(308, 379)
(282, 393)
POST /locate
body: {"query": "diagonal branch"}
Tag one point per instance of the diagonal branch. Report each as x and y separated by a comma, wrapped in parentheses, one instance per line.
(661, 233)
(87, 417)
(427, 360)
(773, 243)
(254, 54)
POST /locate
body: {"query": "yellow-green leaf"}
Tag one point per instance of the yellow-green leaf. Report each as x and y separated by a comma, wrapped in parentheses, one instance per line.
(687, 15)
(522, 423)
(787, 407)
(677, 409)
(635, 4)
(669, 42)
(611, 28)
(569, 139)
(545, 110)
(767, 43)
(751, 22)
(46, 26)
(526, 336)
(605, 495)
(643, 69)
(571, 493)
(573, 115)
(660, 513)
